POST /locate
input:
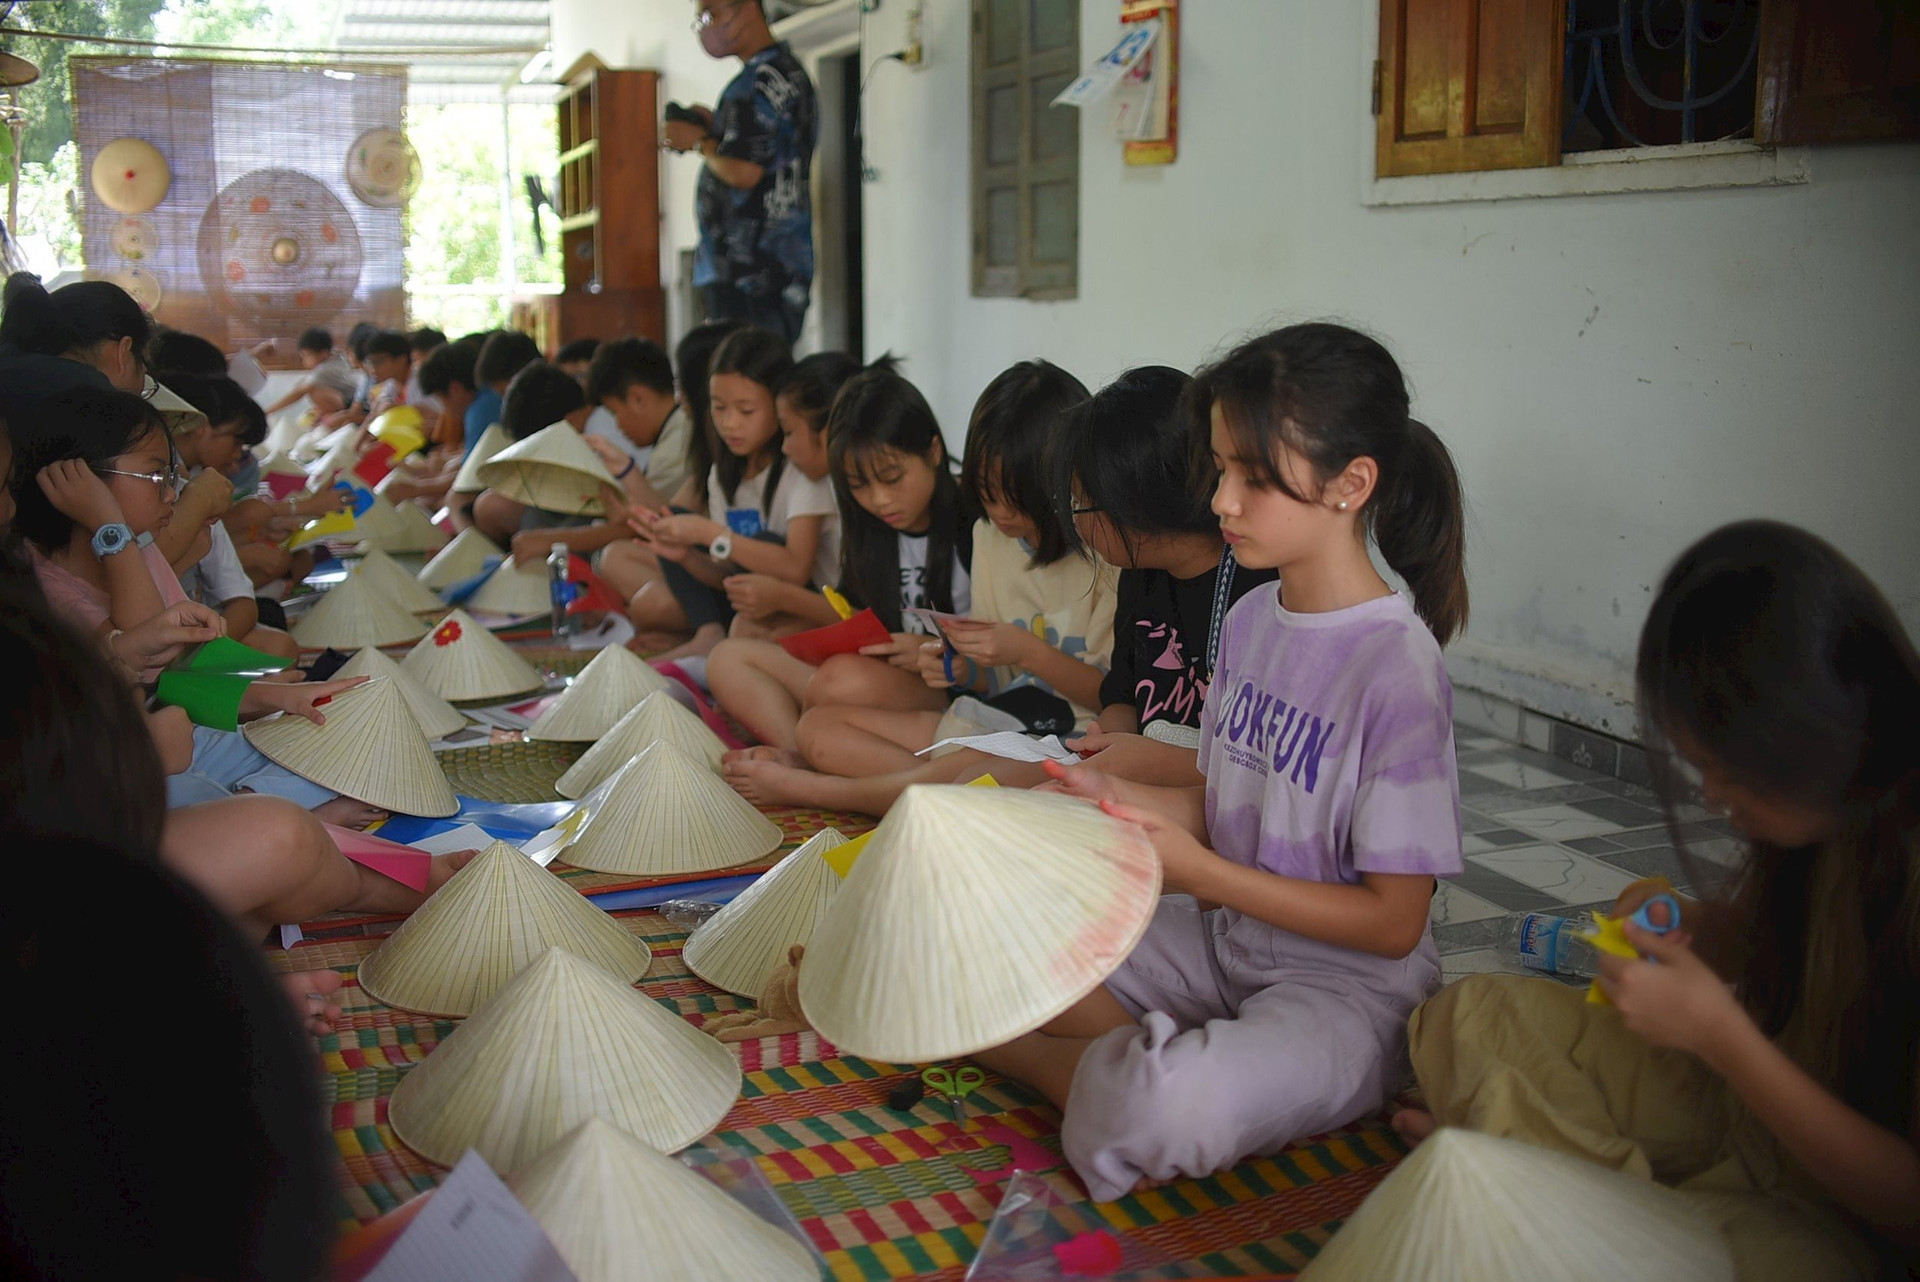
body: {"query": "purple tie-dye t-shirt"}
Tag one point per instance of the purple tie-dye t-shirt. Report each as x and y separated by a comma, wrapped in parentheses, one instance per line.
(1327, 742)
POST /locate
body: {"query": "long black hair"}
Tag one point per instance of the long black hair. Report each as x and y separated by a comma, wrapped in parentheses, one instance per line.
(1010, 440)
(814, 382)
(73, 318)
(690, 358)
(762, 357)
(1128, 453)
(95, 424)
(1332, 395)
(879, 412)
(1770, 657)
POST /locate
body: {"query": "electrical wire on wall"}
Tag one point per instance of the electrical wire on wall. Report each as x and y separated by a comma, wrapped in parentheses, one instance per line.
(867, 172)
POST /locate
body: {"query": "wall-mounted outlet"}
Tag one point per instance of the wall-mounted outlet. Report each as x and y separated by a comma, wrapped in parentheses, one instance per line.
(914, 53)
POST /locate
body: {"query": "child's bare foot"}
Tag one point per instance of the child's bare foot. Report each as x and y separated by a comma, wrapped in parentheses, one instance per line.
(440, 871)
(766, 752)
(345, 812)
(1145, 1185)
(652, 643)
(768, 783)
(1414, 1125)
(312, 994)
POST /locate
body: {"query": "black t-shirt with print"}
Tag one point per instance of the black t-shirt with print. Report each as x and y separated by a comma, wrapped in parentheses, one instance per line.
(1160, 627)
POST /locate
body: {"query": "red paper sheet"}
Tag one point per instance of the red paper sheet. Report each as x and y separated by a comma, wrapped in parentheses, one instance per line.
(844, 637)
(404, 864)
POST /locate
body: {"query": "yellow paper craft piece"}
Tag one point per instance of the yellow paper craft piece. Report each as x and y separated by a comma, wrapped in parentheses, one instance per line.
(1609, 935)
(841, 857)
(325, 527)
(841, 606)
(984, 781)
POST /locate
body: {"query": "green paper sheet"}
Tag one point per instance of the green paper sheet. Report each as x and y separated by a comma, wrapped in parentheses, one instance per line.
(210, 699)
(224, 656)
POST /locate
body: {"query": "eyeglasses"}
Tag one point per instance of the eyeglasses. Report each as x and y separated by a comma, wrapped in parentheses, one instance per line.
(169, 479)
(705, 17)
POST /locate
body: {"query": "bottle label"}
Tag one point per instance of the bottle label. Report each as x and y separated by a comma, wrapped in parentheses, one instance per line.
(1540, 941)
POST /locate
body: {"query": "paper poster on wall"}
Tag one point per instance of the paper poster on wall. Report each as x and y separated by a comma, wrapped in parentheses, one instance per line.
(1098, 80)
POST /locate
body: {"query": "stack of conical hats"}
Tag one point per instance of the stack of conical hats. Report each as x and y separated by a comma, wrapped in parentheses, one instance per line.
(739, 946)
(607, 689)
(665, 813)
(370, 749)
(658, 717)
(973, 916)
(460, 560)
(609, 1202)
(561, 1042)
(514, 590)
(461, 660)
(1468, 1207)
(553, 469)
(356, 612)
(405, 527)
(491, 442)
(405, 590)
(436, 716)
(499, 913)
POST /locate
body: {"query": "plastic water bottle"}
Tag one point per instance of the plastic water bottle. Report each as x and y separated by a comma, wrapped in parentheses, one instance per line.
(1546, 942)
(560, 591)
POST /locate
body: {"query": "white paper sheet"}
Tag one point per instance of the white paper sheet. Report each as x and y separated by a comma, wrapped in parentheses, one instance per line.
(1098, 80)
(465, 837)
(474, 1230)
(1012, 746)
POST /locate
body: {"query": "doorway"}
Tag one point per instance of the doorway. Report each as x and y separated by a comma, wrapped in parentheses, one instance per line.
(839, 286)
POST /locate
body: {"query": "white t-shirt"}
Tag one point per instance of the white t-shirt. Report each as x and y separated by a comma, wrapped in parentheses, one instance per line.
(219, 577)
(913, 582)
(796, 496)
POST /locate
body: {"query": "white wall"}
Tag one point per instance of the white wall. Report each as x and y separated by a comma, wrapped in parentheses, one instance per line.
(1616, 374)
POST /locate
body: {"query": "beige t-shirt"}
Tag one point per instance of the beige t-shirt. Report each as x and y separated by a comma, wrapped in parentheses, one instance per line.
(667, 468)
(1069, 604)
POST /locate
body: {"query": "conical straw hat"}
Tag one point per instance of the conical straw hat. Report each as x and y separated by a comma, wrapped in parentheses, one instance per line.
(436, 716)
(607, 689)
(498, 913)
(371, 749)
(353, 613)
(739, 946)
(658, 717)
(491, 442)
(975, 915)
(459, 659)
(397, 585)
(279, 463)
(666, 813)
(553, 469)
(379, 524)
(608, 1203)
(332, 465)
(410, 530)
(514, 589)
(561, 1042)
(460, 560)
(1467, 1207)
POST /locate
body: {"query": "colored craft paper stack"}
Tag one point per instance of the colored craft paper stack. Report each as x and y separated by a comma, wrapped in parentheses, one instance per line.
(657, 718)
(607, 689)
(973, 916)
(356, 613)
(553, 469)
(371, 749)
(436, 716)
(460, 560)
(399, 586)
(491, 442)
(460, 660)
(739, 946)
(665, 813)
(210, 680)
(1467, 1207)
(562, 1042)
(515, 590)
(608, 1201)
(496, 915)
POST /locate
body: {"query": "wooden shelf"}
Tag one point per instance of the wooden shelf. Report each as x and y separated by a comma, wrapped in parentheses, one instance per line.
(609, 206)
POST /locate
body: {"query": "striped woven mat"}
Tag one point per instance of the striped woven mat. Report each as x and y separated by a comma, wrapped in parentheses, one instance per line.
(882, 1194)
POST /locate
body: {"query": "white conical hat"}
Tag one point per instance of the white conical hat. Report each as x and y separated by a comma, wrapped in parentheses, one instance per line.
(379, 524)
(436, 716)
(338, 459)
(739, 946)
(616, 1208)
(491, 442)
(666, 813)
(553, 469)
(1468, 1207)
(459, 659)
(371, 749)
(498, 913)
(561, 1042)
(460, 560)
(657, 717)
(973, 916)
(402, 588)
(280, 463)
(410, 530)
(514, 589)
(607, 689)
(353, 613)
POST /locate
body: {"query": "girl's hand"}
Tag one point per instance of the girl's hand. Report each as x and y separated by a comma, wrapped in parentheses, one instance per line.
(754, 595)
(990, 644)
(160, 640)
(535, 545)
(1084, 782)
(303, 700)
(612, 455)
(933, 665)
(903, 651)
(687, 529)
(79, 494)
(1639, 892)
(1678, 1002)
(1184, 862)
(1096, 740)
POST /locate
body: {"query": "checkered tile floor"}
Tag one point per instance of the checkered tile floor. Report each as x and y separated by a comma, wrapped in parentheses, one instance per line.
(1544, 834)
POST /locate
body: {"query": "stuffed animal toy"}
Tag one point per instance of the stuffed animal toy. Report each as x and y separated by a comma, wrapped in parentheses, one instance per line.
(776, 1012)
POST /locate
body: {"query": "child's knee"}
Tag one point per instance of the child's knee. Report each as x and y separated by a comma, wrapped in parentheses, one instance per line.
(841, 679)
(816, 731)
(653, 607)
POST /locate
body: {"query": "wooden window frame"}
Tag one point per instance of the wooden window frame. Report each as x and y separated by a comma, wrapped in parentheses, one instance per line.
(1025, 278)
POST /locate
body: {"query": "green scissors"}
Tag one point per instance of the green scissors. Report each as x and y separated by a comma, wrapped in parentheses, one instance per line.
(953, 1087)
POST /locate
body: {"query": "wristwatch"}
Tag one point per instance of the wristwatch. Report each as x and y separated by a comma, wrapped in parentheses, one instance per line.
(111, 538)
(721, 548)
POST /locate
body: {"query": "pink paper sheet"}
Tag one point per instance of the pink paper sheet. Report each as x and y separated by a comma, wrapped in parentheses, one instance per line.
(404, 864)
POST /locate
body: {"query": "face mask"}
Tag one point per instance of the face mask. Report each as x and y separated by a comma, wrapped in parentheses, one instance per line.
(713, 39)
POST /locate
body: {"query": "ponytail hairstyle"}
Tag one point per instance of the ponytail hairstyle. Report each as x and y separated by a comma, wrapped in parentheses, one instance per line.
(73, 319)
(1772, 660)
(879, 412)
(1332, 395)
(93, 424)
(1127, 451)
(813, 383)
(763, 357)
(1009, 439)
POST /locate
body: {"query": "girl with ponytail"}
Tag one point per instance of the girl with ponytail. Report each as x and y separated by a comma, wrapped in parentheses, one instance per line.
(1330, 800)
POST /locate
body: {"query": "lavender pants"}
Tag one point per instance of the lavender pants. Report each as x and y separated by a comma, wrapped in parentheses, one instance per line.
(1249, 1038)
